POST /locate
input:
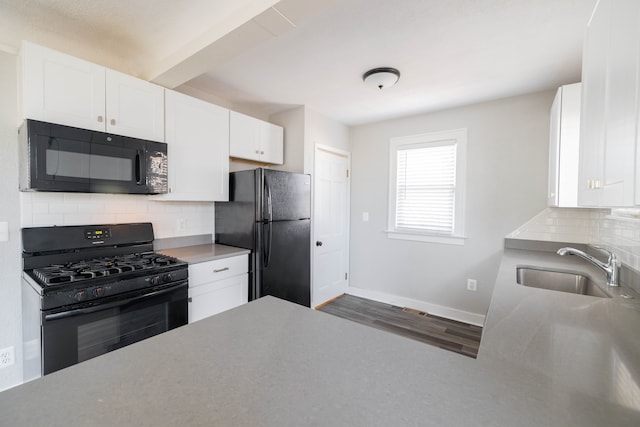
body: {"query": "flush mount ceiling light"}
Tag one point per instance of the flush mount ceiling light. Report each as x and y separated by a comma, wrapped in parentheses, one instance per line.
(381, 78)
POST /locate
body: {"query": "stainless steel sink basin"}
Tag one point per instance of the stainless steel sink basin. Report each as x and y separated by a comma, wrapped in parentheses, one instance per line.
(556, 280)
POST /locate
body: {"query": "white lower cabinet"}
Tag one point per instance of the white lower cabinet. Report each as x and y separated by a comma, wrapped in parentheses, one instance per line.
(217, 286)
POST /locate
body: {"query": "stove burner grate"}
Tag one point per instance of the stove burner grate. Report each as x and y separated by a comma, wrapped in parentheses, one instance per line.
(101, 267)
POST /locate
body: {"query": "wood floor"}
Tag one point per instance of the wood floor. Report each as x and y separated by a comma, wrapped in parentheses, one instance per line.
(440, 332)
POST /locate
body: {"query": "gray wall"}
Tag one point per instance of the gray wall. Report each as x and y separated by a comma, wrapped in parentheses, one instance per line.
(10, 261)
(507, 151)
(293, 122)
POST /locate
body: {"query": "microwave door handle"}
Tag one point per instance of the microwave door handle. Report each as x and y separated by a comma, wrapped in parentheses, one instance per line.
(139, 168)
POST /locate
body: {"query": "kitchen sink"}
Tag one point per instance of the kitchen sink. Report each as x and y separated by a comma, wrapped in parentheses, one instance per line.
(557, 280)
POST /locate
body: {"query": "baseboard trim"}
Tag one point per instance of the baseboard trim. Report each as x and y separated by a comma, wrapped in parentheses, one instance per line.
(318, 307)
(436, 310)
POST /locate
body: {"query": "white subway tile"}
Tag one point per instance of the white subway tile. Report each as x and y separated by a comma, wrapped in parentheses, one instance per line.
(41, 220)
(40, 208)
(103, 219)
(63, 208)
(47, 197)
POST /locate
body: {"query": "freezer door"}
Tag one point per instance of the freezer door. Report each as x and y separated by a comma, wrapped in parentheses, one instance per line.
(288, 194)
(236, 220)
(286, 272)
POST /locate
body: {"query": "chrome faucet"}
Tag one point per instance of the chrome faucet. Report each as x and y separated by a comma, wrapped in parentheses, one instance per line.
(611, 268)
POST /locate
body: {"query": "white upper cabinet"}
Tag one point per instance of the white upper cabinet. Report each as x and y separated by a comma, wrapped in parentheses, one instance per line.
(134, 107)
(271, 143)
(244, 136)
(608, 131)
(564, 144)
(254, 139)
(198, 149)
(59, 88)
(62, 89)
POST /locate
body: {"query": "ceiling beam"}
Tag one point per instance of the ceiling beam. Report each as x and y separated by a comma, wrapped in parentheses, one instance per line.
(248, 28)
(186, 59)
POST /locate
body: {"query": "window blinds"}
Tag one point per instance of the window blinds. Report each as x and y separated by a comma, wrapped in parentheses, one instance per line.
(425, 192)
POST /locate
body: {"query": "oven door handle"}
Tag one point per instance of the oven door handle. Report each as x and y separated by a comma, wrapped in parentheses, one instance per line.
(101, 307)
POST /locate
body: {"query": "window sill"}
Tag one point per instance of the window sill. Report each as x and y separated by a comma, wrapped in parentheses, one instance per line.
(430, 238)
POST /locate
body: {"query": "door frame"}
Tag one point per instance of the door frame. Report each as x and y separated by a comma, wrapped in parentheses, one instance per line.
(343, 153)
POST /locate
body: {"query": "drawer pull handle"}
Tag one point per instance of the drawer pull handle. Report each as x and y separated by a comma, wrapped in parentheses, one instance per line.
(220, 270)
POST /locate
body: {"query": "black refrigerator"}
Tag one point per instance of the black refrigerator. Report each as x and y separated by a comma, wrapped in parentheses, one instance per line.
(269, 212)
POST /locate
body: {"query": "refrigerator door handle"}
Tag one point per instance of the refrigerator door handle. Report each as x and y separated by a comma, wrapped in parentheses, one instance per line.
(266, 253)
(269, 204)
(266, 258)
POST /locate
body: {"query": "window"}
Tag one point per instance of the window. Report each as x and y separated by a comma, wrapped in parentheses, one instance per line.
(426, 187)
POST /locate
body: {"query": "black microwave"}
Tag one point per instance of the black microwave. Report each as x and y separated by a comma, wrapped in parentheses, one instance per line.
(62, 158)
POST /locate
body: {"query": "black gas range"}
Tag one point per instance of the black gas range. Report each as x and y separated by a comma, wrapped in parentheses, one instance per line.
(88, 290)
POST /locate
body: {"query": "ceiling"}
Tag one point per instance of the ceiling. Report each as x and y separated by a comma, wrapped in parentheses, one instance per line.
(268, 55)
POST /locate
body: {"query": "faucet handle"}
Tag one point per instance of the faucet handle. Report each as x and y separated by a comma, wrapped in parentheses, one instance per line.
(612, 257)
(602, 249)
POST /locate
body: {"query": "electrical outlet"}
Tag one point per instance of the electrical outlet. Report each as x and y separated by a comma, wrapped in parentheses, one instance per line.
(7, 357)
(181, 224)
(472, 285)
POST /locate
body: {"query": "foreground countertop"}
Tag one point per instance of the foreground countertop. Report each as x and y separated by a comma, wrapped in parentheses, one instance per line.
(588, 344)
(203, 253)
(274, 363)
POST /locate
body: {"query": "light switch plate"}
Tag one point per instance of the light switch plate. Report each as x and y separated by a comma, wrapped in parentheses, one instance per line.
(4, 231)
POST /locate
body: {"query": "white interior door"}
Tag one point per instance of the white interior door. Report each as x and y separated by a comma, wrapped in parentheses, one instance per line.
(331, 224)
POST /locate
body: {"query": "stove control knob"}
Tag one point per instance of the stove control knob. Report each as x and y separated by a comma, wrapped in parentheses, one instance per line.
(167, 278)
(98, 292)
(156, 280)
(80, 295)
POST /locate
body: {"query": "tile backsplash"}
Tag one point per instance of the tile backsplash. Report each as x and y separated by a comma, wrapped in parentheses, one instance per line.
(561, 225)
(615, 230)
(621, 234)
(169, 219)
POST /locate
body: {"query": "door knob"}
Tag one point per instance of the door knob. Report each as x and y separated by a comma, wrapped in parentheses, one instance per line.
(318, 243)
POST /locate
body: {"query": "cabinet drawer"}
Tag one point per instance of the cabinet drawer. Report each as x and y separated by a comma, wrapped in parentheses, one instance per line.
(213, 298)
(219, 269)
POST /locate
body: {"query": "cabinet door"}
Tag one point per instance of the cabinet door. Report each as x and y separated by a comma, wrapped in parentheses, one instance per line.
(620, 104)
(244, 138)
(219, 269)
(61, 89)
(554, 149)
(135, 107)
(592, 127)
(215, 297)
(610, 109)
(197, 136)
(568, 146)
(271, 143)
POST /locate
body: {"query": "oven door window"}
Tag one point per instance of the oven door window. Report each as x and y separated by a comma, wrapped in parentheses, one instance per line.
(82, 333)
